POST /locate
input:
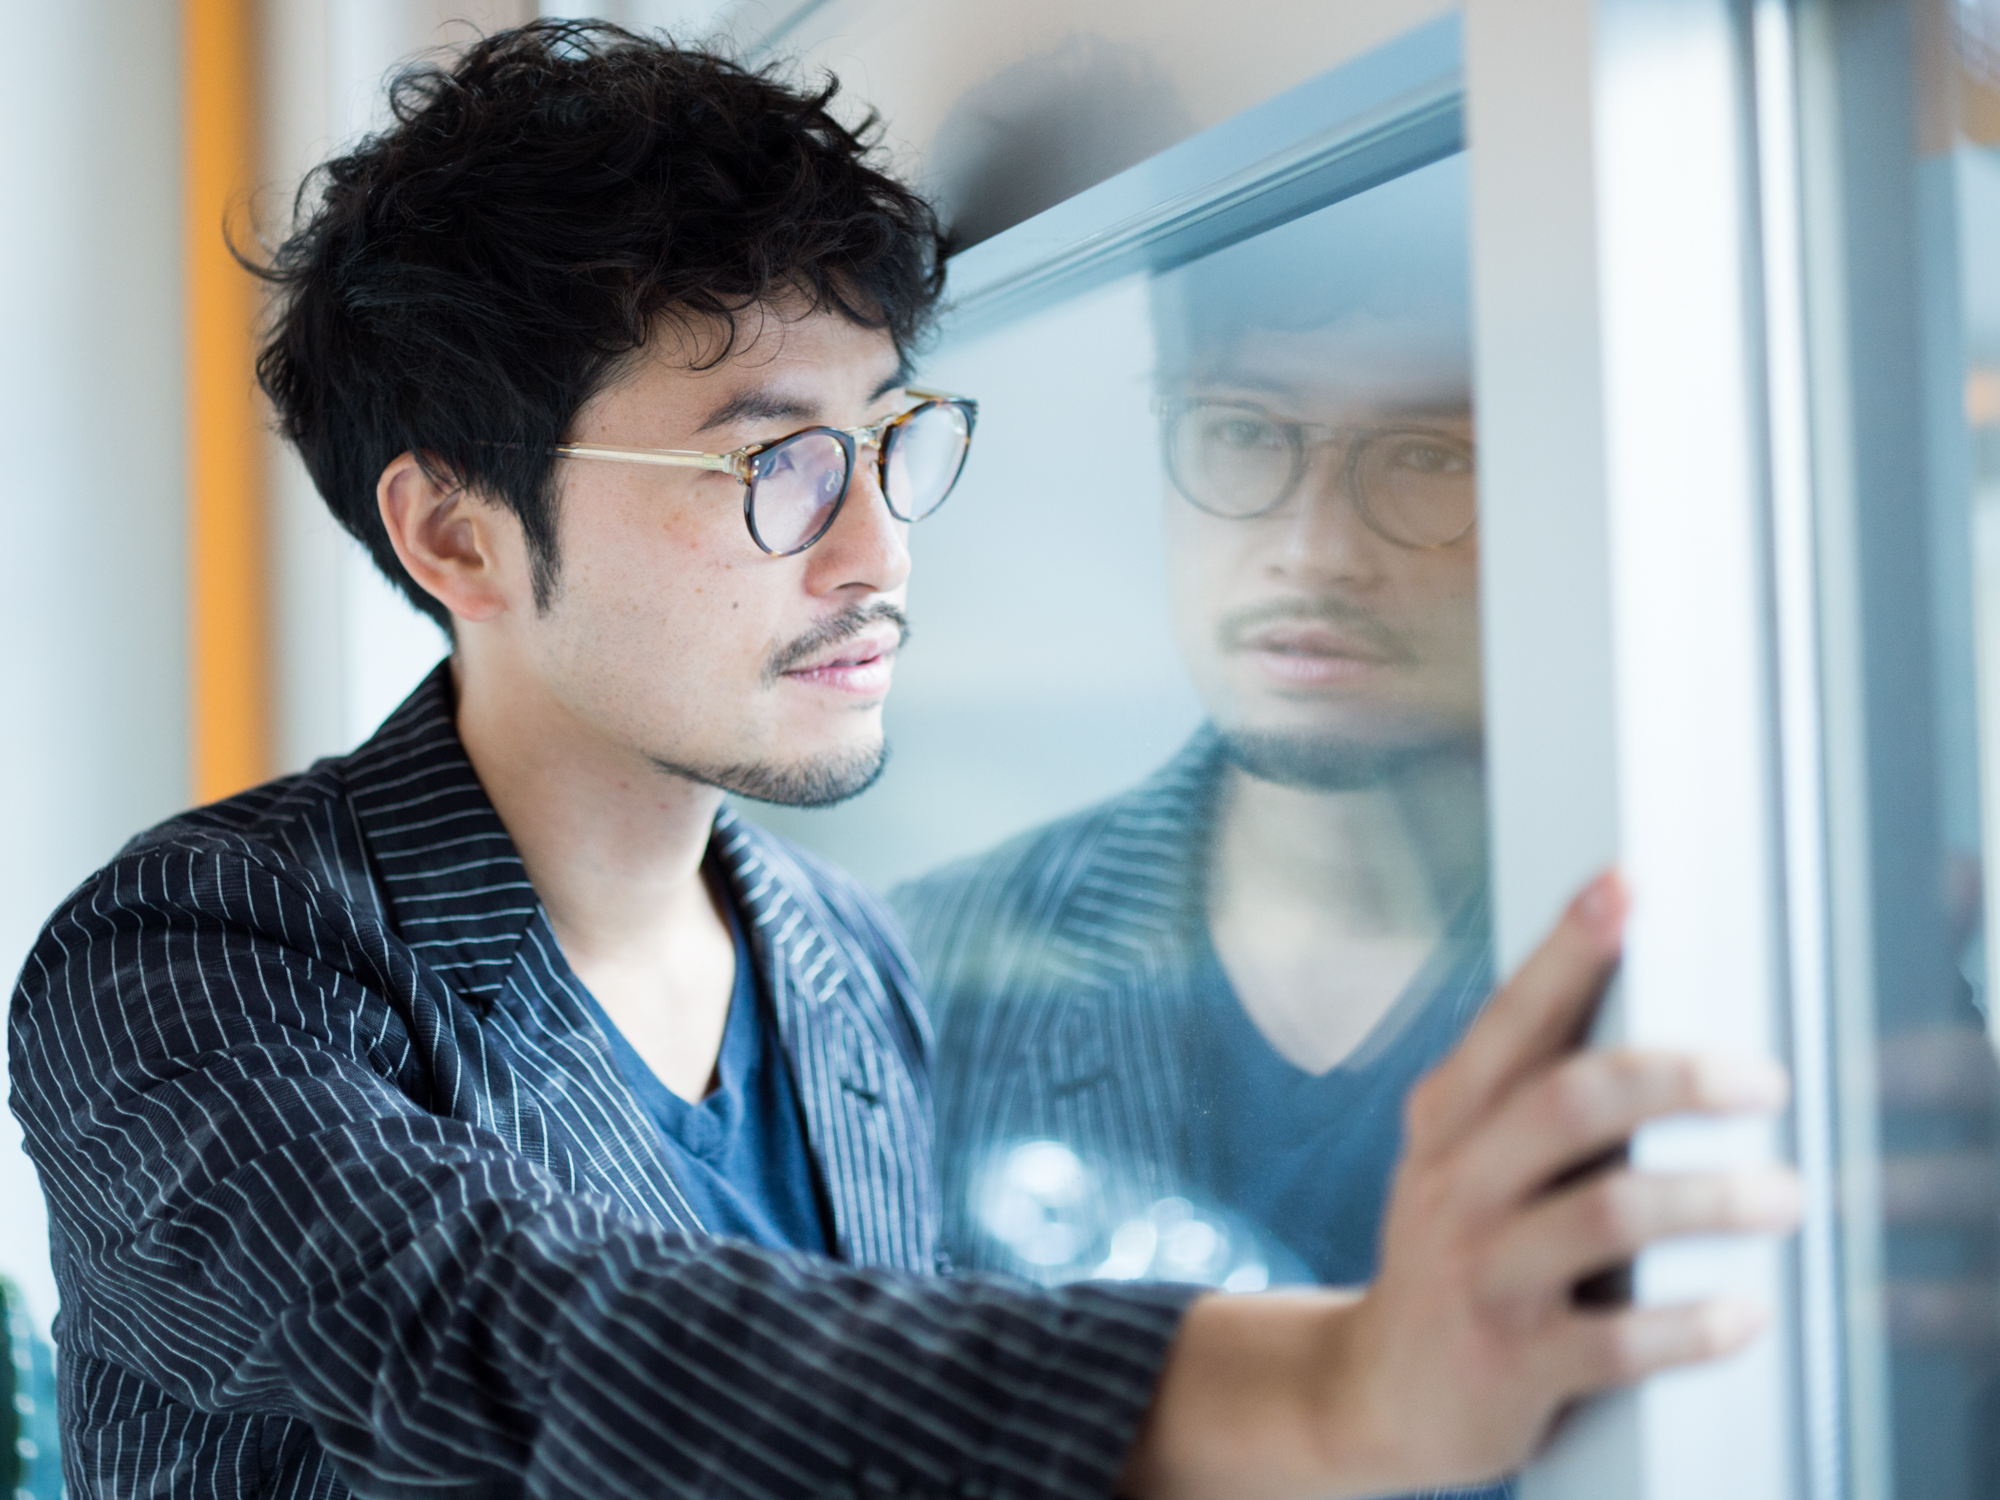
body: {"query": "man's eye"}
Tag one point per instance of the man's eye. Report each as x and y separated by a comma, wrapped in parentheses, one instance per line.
(1422, 456)
(1243, 433)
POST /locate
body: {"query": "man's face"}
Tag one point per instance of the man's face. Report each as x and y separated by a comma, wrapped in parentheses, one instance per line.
(1328, 654)
(670, 633)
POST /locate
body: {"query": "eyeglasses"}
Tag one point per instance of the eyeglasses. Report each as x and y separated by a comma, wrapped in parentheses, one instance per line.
(1413, 486)
(793, 488)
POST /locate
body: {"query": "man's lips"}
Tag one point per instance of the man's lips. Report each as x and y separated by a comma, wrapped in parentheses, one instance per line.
(860, 664)
(1312, 639)
(1313, 654)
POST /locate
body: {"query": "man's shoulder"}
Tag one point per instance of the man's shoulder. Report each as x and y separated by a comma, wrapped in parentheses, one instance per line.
(295, 858)
(1143, 837)
(293, 833)
(310, 821)
(1011, 874)
(282, 819)
(317, 831)
(302, 827)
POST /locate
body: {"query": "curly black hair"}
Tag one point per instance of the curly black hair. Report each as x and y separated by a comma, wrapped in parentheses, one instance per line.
(467, 279)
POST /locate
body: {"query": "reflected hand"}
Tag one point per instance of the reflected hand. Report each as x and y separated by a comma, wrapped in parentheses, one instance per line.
(1940, 1098)
(1453, 1366)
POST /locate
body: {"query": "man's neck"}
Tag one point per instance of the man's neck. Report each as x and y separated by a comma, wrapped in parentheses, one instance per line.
(612, 845)
(1324, 905)
(614, 848)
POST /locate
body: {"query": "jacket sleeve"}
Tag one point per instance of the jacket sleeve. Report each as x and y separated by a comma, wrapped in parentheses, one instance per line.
(251, 1215)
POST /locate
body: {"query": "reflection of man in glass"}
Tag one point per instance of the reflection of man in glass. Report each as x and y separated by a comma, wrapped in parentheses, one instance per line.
(1176, 1030)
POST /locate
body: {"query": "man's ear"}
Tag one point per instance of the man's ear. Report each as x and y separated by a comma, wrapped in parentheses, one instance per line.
(451, 543)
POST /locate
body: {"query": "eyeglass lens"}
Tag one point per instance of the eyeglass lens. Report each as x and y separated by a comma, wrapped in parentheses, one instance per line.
(1416, 487)
(922, 459)
(796, 488)
(1412, 486)
(797, 485)
(1230, 460)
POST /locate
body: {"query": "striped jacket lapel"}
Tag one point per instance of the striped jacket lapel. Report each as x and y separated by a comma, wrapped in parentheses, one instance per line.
(859, 1050)
(1126, 930)
(447, 870)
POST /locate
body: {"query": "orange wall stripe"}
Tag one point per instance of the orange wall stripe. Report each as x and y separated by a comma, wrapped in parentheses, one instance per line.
(230, 688)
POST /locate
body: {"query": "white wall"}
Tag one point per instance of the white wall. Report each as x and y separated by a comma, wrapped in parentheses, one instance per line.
(92, 611)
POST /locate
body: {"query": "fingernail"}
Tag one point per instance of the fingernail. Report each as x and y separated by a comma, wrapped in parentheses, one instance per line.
(1772, 1199)
(1602, 902)
(1748, 1083)
(1732, 1324)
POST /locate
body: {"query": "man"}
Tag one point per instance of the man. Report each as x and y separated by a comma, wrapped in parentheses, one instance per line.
(488, 1111)
(1214, 992)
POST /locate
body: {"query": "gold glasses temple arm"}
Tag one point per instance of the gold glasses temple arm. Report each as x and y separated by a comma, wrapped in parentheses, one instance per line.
(721, 463)
(669, 458)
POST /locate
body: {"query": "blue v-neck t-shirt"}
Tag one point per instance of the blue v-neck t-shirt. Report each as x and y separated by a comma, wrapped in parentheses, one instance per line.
(740, 1157)
(1308, 1157)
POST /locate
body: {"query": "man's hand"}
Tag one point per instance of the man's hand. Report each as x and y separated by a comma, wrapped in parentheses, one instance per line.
(1452, 1366)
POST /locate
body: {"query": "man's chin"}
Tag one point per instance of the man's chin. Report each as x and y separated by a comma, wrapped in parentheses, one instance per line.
(814, 781)
(1319, 762)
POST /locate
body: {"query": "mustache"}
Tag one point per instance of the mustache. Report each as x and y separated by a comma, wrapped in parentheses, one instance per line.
(832, 631)
(1393, 644)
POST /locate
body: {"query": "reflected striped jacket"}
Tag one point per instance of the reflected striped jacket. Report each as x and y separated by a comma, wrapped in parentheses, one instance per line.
(348, 1196)
(1061, 969)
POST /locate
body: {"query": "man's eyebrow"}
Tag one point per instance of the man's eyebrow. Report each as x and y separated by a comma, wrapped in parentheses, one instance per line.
(759, 404)
(1264, 385)
(762, 404)
(896, 377)
(1443, 406)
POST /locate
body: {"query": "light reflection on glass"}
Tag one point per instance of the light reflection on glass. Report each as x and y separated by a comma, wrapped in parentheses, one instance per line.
(1042, 1202)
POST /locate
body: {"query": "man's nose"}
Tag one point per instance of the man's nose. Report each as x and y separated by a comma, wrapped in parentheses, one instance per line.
(1323, 530)
(866, 549)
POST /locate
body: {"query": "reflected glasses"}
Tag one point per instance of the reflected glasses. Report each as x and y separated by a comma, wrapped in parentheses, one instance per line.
(794, 487)
(1413, 486)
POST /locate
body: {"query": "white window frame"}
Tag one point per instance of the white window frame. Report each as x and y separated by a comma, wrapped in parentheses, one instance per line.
(1652, 640)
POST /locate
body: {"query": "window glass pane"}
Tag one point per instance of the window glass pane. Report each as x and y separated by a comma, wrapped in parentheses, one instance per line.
(1902, 116)
(1186, 811)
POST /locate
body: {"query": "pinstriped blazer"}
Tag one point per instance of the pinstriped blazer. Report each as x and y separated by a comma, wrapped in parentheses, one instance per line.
(348, 1195)
(1060, 970)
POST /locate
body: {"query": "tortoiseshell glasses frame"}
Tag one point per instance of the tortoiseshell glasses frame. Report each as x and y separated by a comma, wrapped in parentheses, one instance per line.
(802, 479)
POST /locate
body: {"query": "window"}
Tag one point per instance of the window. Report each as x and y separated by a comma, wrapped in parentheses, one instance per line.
(1900, 109)
(1186, 808)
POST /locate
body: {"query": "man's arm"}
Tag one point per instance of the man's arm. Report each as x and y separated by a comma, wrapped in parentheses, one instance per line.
(1451, 1367)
